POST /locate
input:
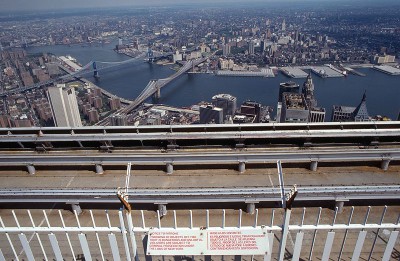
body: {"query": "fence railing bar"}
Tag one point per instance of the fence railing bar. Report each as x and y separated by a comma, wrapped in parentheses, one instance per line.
(97, 236)
(143, 222)
(190, 219)
(345, 234)
(207, 218)
(175, 223)
(108, 219)
(240, 219)
(223, 218)
(255, 218)
(315, 235)
(15, 218)
(124, 237)
(67, 235)
(158, 219)
(377, 233)
(9, 240)
(37, 236)
(46, 218)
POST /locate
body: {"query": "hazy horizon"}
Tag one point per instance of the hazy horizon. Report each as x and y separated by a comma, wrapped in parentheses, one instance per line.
(61, 5)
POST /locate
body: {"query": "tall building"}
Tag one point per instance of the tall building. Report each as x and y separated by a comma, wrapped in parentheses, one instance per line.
(344, 113)
(284, 25)
(211, 114)
(251, 47)
(294, 108)
(64, 106)
(308, 92)
(317, 114)
(361, 111)
(115, 103)
(251, 108)
(93, 115)
(288, 87)
(227, 102)
(118, 120)
(226, 49)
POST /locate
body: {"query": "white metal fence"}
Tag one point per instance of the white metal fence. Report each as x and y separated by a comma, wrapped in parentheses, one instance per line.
(310, 234)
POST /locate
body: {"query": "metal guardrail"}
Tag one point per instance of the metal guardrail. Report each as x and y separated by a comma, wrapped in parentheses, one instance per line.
(73, 158)
(200, 195)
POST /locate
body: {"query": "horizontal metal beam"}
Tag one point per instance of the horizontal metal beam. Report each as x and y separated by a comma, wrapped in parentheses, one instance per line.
(193, 158)
(205, 195)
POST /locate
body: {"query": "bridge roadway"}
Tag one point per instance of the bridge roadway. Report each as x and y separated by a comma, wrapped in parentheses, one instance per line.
(84, 70)
(153, 87)
(203, 195)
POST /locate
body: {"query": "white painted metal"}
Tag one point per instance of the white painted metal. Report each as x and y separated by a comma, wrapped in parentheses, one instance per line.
(359, 245)
(56, 247)
(390, 245)
(37, 236)
(297, 246)
(268, 256)
(97, 236)
(124, 237)
(114, 247)
(26, 247)
(67, 235)
(285, 231)
(94, 231)
(2, 256)
(85, 246)
(328, 246)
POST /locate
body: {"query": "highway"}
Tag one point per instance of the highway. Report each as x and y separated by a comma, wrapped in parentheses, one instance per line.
(200, 195)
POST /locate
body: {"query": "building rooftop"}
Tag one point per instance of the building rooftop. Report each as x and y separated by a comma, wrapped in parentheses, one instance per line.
(294, 101)
(224, 96)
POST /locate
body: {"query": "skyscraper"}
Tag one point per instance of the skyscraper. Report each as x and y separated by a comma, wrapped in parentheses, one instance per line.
(251, 47)
(308, 92)
(284, 25)
(211, 114)
(227, 102)
(294, 108)
(64, 106)
(226, 49)
(344, 113)
(288, 87)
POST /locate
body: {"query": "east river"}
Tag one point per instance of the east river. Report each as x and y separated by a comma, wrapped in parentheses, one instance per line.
(383, 91)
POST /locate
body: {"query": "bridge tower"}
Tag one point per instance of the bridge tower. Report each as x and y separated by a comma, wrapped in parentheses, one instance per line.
(95, 72)
(150, 55)
(157, 94)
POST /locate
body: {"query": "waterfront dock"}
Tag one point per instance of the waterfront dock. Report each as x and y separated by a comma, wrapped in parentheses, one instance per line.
(326, 72)
(387, 69)
(294, 72)
(264, 72)
(352, 71)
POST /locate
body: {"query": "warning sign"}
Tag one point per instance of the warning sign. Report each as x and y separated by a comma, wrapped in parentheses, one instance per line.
(207, 242)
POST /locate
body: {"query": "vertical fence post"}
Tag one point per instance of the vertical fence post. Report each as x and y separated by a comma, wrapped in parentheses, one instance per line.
(345, 234)
(377, 233)
(124, 237)
(315, 234)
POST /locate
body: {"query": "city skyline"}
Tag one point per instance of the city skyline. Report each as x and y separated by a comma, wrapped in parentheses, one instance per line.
(44, 5)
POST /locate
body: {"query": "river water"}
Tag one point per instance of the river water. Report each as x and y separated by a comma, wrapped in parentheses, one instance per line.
(383, 91)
